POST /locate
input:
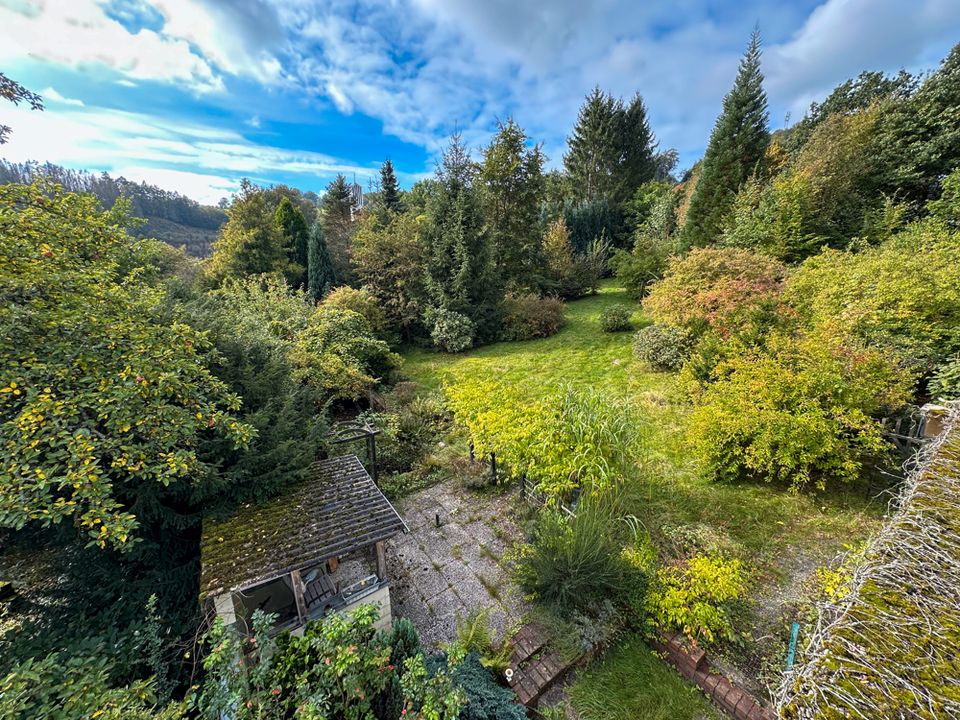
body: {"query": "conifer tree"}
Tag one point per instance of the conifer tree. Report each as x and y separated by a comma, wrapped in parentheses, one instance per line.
(458, 260)
(638, 163)
(390, 188)
(293, 226)
(320, 275)
(737, 144)
(336, 212)
(594, 147)
(512, 187)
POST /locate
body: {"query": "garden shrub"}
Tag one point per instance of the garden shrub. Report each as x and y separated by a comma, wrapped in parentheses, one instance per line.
(485, 699)
(638, 563)
(663, 347)
(578, 438)
(902, 296)
(529, 316)
(799, 412)
(695, 597)
(72, 684)
(945, 383)
(616, 318)
(360, 301)
(341, 667)
(682, 542)
(637, 270)
(715, 288)
(450, 331)
(338, 352)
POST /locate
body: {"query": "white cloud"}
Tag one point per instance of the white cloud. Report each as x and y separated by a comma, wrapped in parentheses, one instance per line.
(51, 95)
(206, 159)
(843, 37)
(78, 34)
(206, 189)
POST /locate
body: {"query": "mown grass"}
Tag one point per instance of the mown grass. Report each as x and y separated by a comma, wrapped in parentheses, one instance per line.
(579, 354)
(631, 682)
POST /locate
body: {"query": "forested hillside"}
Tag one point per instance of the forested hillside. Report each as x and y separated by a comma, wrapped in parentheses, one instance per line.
(169, 216)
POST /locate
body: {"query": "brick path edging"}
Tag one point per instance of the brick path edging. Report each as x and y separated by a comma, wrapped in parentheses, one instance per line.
(694, 665)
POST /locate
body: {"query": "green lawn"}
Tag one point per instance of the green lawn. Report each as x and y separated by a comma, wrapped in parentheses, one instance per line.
(579, 353)
(631, 682)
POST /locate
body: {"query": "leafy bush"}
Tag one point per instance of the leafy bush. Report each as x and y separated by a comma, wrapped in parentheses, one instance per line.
(451, 331)
(682, 542)
(360, 301)
(696, 597)
(529, 316)
(616, 318)
(945, 384)
(338, 352)
(799, 412)
(637, 270)
(716, 288)
(68, 685)
(341, 667)
(902, 296)
(578, 438)
(663, 347)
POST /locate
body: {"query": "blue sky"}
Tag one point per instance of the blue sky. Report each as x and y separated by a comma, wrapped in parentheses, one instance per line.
(195, 94)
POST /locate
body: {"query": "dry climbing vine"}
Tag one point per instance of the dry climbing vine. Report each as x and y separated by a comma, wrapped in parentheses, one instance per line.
(888, 649)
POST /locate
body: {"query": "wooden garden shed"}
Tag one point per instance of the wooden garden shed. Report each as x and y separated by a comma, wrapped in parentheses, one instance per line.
(316, 548)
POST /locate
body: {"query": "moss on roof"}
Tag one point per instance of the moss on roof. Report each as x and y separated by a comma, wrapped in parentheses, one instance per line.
(336, 510)
(889, 649)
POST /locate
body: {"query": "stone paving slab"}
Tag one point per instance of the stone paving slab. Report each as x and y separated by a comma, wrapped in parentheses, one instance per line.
(441, 573)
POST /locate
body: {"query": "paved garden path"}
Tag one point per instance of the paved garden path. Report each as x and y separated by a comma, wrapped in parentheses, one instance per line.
(438, 573)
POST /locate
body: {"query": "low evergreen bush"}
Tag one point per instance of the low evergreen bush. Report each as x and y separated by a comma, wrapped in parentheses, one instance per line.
(452, 331)
(616, 318)
(663, 347)
(486, 700)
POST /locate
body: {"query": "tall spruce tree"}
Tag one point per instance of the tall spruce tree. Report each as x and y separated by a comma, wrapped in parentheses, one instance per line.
(737, 143)
(594, 152)
(293, 227)
(458, 258)
(336, 213)
(320, 274)
(511, 190)
(390, 188)
(638, 161)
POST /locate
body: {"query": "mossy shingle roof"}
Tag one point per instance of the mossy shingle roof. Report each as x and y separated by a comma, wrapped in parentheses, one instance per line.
(338, 509)
(888, 648)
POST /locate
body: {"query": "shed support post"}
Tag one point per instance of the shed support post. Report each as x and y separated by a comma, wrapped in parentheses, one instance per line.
(298, 592)
(381, 560)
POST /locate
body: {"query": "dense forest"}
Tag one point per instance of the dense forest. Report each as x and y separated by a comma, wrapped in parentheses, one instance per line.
(803, 286)
(167, 216)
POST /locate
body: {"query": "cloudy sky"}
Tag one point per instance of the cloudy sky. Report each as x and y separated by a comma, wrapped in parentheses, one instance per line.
(195, 94)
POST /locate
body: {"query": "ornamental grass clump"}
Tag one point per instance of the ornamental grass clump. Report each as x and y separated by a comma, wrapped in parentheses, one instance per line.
(574, 563)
